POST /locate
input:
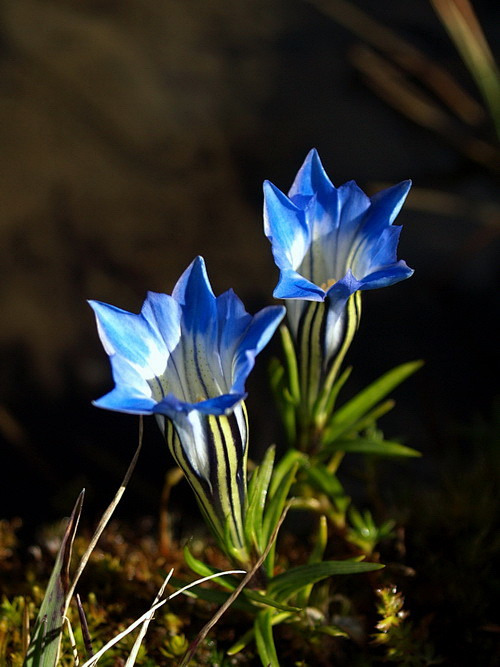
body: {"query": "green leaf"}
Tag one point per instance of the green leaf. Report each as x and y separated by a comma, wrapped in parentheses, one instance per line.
(327, 482)
(289, 460)
(330, 401)
(291, 364)
(257, 494)
(316, 556)
(274, 509)
(204, 570)
(267, 600)
(43, 650)
(346, 416)
(371, 446)
(287, 584)
(265, 640)
(284, 401)
(369, 419)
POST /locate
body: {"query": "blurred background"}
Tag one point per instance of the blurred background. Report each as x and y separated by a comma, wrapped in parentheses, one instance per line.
(136, 135)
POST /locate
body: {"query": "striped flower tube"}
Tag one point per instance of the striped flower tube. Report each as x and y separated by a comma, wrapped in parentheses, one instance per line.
(329, 244)
(185, 358)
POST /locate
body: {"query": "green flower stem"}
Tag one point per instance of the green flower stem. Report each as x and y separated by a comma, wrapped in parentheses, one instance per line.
(334, 463)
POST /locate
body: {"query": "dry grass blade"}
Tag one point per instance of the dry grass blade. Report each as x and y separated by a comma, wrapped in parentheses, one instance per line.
(105, 518)
(142, 633)
(147, 616)
(464, 29)
(392, 86)
(406, 56)
(123, 634)
(25, 629)
(72, 641)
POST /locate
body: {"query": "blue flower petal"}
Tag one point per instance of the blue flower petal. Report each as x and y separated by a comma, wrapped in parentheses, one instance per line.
(194, 293)
(387, 276)
(129, 335)
(123, 399)
(256, 337)
(386, 204)
(311, 179)
(286, 227)
(292, 285)
(163, 314)
(171, 406)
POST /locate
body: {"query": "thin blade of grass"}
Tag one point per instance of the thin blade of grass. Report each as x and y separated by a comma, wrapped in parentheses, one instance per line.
(410, 59)
(43, 650)
(148, 614)
(142, 633)
(72, 641)
(264, 638)
(460, 21)
(105, 518)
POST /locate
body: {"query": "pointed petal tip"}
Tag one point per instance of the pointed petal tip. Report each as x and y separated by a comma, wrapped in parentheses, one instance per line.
(224, 404)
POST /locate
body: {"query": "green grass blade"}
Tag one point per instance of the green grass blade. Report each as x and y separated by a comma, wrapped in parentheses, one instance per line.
(274, 510)
(265, 640)
(355, 409)
(371, 446)
(316, 556)
(204, 570)
(287, 584)
(257, 494)
(105, 517)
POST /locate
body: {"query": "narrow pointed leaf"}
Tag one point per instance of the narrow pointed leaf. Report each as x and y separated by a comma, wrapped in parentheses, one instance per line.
(43, 650)
(357, 407)
(204, 570)
(335, 390)
(292, 458)
(287, 584)
(284, 401)
(257, 494)
(371, 446)
(326, 481)
(316, 557)
(229, 583)
(275, 508)
(369, 419)
(265, 640)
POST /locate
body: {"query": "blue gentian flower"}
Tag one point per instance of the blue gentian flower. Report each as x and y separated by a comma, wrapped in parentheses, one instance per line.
(185, 358)
(329, 244)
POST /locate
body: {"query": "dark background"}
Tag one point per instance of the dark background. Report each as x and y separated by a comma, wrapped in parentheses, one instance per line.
(136, 135)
